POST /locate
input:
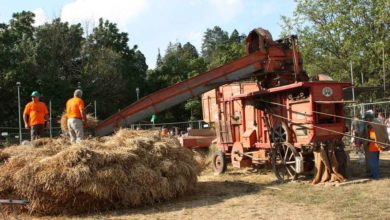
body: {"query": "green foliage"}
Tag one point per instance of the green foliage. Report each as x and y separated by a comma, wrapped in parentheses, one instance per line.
(182, 62)
(55, 58)
(334, 33)
(179, 63)
(111, 69)
(193, 106)
(58, 62)
(211, 39)
(218, 48)
(17, 62)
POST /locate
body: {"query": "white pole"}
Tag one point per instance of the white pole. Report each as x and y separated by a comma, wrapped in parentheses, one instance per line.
(94, 103)
(20, 120)
(353, 91)
(50, 128)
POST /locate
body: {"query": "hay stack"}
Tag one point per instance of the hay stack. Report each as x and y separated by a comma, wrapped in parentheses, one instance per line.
(3, 156)
(204, 156)
(129, 169)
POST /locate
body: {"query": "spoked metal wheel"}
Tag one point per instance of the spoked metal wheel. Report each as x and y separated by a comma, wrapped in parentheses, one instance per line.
(219, 162)
(284, 160)
(280, 133)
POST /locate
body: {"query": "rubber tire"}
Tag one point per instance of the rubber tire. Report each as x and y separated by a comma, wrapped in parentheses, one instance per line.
(222, 168)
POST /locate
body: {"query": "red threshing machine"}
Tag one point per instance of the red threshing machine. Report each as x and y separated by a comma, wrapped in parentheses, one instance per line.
(263, 108)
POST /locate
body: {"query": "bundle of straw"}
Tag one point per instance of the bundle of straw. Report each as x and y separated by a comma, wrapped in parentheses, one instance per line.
(129, 169)
(92, 122)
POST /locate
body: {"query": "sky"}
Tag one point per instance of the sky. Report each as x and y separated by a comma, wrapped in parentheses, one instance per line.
(152, 24)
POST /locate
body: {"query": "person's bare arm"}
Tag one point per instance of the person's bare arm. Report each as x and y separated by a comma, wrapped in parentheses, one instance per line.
(84, 115)
(25, 119)
(47, 119)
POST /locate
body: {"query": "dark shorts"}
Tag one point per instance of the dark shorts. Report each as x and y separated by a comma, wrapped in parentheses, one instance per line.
(36, 131)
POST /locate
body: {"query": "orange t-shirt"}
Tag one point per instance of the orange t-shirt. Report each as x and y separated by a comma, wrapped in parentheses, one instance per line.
(74, 106)
(373, 147)
(36, 112)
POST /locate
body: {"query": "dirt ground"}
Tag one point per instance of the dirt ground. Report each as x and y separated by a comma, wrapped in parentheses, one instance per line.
(250, 194)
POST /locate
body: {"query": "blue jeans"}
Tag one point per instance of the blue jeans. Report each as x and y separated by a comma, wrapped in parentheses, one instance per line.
(373, 160)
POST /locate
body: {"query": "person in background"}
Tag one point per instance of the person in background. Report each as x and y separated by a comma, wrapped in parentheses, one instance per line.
(373, 148)
(76, 115)
(387, 123)
(164, 132)
(357, 129)
(381, 118)
(34, 116)
(368, 117)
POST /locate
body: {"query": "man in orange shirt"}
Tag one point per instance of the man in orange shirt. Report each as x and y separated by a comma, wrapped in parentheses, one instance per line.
(34, 116)
(76, 116)
(373, 148)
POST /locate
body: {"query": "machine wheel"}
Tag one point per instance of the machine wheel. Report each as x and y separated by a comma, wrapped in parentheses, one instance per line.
(281, 133)
(284, 161)
(237, 153)
(219, 162)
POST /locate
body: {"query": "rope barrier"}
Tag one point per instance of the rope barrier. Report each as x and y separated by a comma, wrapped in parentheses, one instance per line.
(337, 132)
(323, 113)
(330, 130)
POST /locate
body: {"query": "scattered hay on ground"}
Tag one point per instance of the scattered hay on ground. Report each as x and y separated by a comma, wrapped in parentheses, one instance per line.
(131, 168)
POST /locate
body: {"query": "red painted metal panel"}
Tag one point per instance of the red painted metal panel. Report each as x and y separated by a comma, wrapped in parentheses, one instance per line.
(196, 141)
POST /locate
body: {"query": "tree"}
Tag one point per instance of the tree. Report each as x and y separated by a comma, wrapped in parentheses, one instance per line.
(17, 63)
(218, 48)
(58, 58)
(212, 38)
(193, 106)
(159, 58)
(334, 33)
(111, 69)
(182, 62)
(103, 81)
(179, 63)
(235, 37)
(55, 57)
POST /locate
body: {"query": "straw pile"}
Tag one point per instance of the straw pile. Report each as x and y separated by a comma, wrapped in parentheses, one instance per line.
(129, 169)
(204, 156)
(3, 156)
